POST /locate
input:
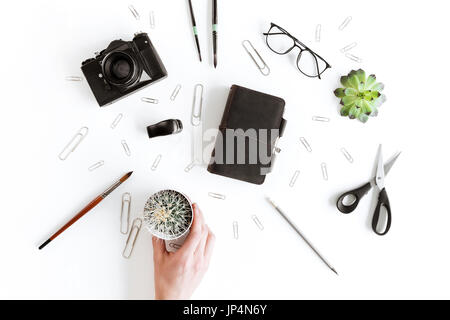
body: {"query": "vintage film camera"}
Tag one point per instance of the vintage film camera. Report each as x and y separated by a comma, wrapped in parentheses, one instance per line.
(123, 68)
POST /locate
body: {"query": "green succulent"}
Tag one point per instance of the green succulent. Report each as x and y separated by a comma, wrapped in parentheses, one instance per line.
(361, 96)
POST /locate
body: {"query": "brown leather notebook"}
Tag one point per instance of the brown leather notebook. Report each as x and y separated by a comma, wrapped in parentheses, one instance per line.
(251, 124)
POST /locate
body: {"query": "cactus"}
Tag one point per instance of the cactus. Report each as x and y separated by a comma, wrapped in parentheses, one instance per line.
(168, 214)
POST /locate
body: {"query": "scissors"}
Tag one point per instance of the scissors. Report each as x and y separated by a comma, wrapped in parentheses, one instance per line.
(348, 201)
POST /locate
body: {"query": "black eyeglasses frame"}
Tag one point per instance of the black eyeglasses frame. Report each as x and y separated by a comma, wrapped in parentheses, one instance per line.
(298, 44)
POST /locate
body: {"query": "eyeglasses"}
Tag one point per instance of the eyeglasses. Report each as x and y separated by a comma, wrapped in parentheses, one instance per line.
(308, 62)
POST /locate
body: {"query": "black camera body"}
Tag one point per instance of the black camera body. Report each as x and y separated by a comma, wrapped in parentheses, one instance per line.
(123, 68)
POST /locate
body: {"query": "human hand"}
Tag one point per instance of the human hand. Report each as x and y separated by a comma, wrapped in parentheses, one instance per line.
(178, 274)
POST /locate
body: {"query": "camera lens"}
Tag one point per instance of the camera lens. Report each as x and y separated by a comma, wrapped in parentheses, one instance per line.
(120, 69)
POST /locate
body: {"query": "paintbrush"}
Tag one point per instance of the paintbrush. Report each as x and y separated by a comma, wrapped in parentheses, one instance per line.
(194, 28)
(86, 209)
(214, 31)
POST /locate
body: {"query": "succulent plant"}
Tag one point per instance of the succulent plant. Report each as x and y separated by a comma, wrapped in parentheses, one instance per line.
(361, 96)
(168, 214)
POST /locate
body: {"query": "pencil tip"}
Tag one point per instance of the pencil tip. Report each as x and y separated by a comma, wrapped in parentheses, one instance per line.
(334, 271)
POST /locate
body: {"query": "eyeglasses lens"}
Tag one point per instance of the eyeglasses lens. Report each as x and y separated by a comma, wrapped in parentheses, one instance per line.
(278, 41)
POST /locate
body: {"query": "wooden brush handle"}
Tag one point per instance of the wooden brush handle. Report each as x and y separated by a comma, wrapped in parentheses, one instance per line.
(85, 210)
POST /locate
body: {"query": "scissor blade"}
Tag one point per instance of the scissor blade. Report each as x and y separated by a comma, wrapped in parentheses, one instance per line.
(379, 179)
(388, 165)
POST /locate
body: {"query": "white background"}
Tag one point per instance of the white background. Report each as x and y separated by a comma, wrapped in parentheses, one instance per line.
(404, 42)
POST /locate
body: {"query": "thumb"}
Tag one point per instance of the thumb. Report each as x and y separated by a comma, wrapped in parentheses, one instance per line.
(159, 250)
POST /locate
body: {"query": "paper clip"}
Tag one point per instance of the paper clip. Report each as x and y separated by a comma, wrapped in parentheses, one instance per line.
(190, 166)
(305, 144)
(74, 78)
(126, 148)
(318, 32)
(321, 119)
(73, 144)
(197, 105)
(261, 64)
(134, 12)
(216, 195)
(175, 92)
(149, 100)
(96, 165)
(257, 222)
(345, 23)
(235, 230)
(347, 155)
(324, 171)
(126, 204)
(353, 57)
(152, 19)
(116, 121)
(156, 162)
(134, 232)
(349, 47)
(294, 179)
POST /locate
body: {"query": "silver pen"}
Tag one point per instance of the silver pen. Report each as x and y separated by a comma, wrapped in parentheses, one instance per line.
(293, 226)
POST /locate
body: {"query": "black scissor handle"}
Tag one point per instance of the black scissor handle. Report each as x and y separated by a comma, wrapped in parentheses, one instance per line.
(382, 205)
(357, 194)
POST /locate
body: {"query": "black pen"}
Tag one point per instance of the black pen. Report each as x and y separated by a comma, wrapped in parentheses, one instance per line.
(214, 31)
(194, 28)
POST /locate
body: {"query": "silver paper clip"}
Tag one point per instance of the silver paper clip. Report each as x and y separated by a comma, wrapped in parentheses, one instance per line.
(126, 148)
(152, 19)
(345, 23)
(116, 121)
(324, 171)
(190, 166)
(134, 12)
(235, 230)
(305, 144)
(216, 195)
(125, 213)
(257, 222)
(175, 92)
(96, 165)
(197, 105)
(321, 119)
(156, 162)
(349, 47)
(149, 100)
(353, 57)
(256, 57)
(131, 240)
(347, 155)
(74, 78)
(318, 32)
(73, 144)
(294, 179)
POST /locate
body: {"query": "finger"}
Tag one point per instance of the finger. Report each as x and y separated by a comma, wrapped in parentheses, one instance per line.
(159, 249)
(195, 233)
(201, 245)
(209, 246)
